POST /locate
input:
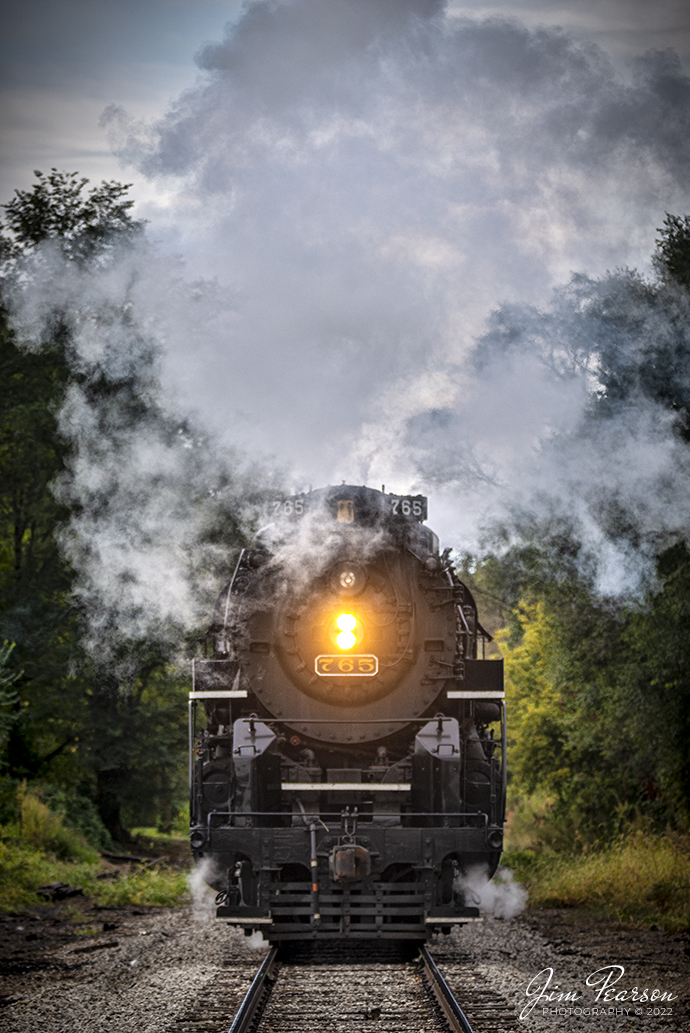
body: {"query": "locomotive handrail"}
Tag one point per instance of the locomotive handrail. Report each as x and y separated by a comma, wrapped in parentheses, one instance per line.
(357, 720)
(504, 760)
(219, 694)
(346, 787)
(475, 693)
(373, 814)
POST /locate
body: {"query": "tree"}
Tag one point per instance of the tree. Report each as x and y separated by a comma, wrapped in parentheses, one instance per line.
(608, 712)
(672, 257)
(85, 228)
(36, 611)
(55, 733)
(101, 701)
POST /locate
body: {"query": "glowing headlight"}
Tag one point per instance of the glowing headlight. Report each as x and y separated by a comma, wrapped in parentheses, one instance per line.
(346, 622)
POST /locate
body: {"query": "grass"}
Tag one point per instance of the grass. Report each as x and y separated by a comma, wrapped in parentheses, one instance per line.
(24, 868)
(642, 879)
(40, 849)
(40, 828)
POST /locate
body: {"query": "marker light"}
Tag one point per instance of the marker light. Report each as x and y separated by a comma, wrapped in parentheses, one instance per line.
(346, 622)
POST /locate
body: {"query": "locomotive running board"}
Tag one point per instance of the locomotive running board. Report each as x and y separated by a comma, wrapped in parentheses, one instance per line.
(243, 916)
(430, 920)
(219, 694)
(475, 694)
(445, 916)
(347, 787)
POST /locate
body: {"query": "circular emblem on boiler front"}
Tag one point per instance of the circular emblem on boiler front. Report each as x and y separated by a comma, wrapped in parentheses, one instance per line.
(348, 579)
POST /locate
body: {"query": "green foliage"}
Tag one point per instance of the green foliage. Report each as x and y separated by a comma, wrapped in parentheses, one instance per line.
(96, 740)
(23, 869)
(78, 811)
(135, 742)
(41, 848)
(8, 695)
(84, 227)
(598, 702)
(43, 829)
(560, 751)
(672, 257)
(654, 684)
(599, 688)
(36, 610)
(153, 886)
(642, 879)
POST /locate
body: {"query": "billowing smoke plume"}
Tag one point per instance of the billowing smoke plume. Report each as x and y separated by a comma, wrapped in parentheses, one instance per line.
(371, 178)
(501, 897)
(156, 506)
(200, 880)
(303, 550)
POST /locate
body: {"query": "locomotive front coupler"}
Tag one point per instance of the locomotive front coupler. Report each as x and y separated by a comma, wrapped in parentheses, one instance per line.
(349, 861)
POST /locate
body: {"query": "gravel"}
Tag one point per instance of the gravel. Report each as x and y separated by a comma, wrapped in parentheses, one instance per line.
(146, 968)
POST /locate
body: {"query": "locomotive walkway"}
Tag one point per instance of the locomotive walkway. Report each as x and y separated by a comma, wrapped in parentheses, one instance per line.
(327, 987)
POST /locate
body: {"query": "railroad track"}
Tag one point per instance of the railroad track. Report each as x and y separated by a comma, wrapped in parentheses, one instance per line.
(305, 988)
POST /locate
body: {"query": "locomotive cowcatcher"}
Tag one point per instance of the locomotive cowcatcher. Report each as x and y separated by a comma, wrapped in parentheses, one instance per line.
(347, 742)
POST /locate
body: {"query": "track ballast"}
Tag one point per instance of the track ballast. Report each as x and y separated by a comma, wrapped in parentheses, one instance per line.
(390, 988)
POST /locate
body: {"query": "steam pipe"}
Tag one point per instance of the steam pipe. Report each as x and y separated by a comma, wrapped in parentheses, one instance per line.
(232, 582)
(315, 915)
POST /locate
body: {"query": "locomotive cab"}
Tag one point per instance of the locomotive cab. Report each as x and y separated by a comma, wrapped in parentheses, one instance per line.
(347, 743)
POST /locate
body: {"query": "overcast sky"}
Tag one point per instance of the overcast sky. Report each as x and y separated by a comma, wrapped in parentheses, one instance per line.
(365, 180)
(62, 63)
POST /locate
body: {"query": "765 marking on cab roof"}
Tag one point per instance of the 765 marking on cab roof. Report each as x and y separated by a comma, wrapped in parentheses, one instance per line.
(408, 505)
(362, 665)
(285, 507)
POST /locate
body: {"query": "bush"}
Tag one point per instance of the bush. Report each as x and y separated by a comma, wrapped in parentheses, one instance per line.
(44, 830)
(642, 879)
(153, 886)
(79, 813)
(23, 869)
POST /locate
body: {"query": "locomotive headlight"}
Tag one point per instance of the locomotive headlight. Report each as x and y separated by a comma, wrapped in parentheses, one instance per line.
(346, 624)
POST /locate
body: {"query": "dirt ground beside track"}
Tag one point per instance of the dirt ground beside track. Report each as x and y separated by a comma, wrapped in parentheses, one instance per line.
(651, 958)
(77, 968)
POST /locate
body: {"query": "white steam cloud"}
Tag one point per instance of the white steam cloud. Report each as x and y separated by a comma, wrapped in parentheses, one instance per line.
(370, 178)
(501, 897)
(203, 895)
(303, 550)
(354, 186)
(154, 501)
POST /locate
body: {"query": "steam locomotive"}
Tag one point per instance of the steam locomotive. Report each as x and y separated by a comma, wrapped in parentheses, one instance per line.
(347, 743)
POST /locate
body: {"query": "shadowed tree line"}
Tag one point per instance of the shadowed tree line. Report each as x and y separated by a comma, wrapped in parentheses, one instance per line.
(105, 737)
(599, 688)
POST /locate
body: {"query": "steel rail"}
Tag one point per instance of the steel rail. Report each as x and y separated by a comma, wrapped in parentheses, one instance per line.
(443, 994)
(255, 994)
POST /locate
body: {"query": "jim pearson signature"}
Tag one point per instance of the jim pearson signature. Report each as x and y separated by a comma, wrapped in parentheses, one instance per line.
(603, 982)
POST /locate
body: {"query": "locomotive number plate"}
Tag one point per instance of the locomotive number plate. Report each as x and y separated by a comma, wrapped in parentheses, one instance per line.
(361, 666)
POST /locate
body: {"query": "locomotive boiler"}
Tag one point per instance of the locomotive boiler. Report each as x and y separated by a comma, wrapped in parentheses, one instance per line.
(347, 736)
